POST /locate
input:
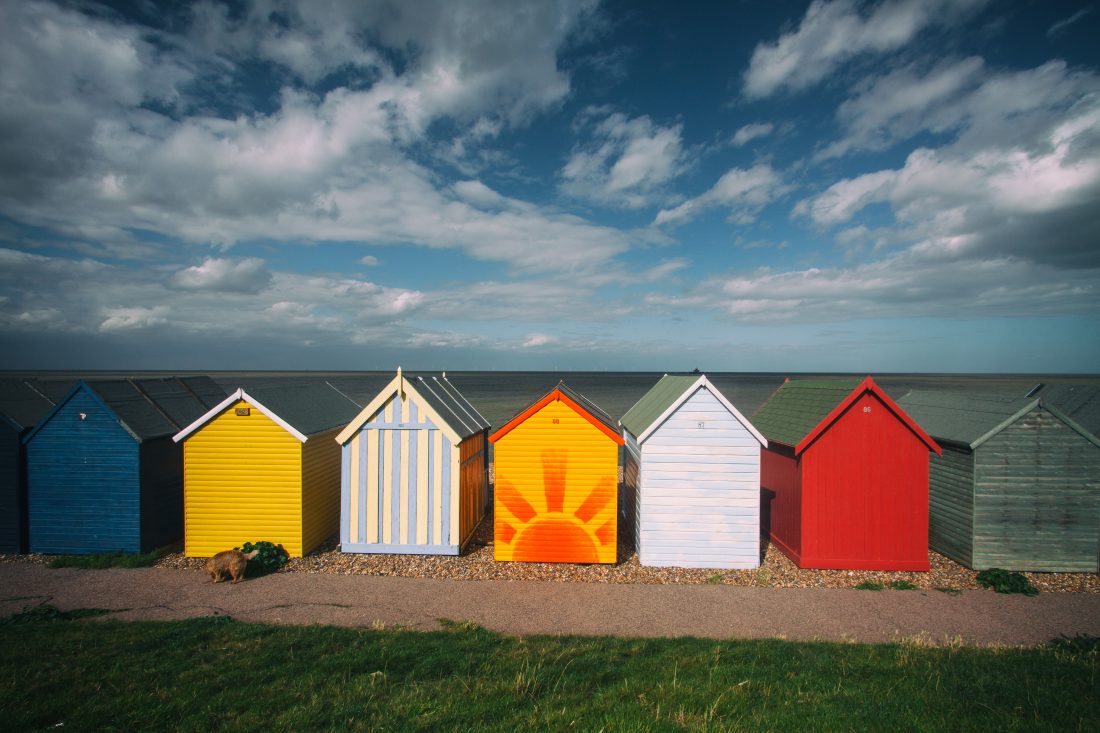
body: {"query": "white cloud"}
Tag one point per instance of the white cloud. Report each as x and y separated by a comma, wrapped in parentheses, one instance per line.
(368, 260)
(751, 132)
(125, 319)
(962, 97)
(224, 275)
(538, 339)
(1064, 23)
(331, 166)
(743, 191)
(628, 162)
(832, 33)
(908, 285)
(1040, 201)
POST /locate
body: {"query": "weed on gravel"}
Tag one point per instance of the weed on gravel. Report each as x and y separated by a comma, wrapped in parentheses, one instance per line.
(205, 674)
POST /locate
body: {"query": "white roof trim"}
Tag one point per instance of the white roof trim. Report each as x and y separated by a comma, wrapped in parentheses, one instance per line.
(384, 396)
(217, 409)
(702, 382)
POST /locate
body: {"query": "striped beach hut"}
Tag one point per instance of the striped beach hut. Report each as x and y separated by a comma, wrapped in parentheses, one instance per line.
(1017, 486)
(22, 405)
(844, 479)
(415, 476)
(556, 467)
(103, 474)
(698, 490)
(263, 464)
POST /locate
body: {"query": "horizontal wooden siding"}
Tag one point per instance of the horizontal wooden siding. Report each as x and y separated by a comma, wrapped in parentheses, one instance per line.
(700, 490)
(242, 483)
(951, 504)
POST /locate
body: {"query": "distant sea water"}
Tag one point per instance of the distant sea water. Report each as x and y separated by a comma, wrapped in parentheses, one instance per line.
(501, 395)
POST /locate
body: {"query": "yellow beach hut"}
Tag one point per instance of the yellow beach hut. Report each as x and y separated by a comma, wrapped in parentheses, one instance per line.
(415, 473)
(555, 468)
(263, 465)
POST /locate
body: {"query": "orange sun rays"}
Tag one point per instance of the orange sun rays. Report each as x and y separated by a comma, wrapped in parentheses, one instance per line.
(554, 535)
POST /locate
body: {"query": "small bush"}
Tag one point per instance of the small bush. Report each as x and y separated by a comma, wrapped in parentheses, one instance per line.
(270, 557)
(902, 585)
(1004, 581)
(870, 585)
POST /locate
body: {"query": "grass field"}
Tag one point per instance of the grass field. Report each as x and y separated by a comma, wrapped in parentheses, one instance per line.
(62, 674)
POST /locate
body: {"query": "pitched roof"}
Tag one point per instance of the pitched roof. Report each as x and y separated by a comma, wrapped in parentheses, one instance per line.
(459, 418)
(653, 403)
(969, 420)
(582, 405)
(1079, 402)
(147, 408)
(303, 409)
(799, 406)
(800, 410)
(666, 396)
(22, 403)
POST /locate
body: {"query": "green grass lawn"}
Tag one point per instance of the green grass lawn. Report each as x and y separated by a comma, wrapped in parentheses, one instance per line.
(218, 674)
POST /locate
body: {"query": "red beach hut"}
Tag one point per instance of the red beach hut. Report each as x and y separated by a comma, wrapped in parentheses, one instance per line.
(844, 478)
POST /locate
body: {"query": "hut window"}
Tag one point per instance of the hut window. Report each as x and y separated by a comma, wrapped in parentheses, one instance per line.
(243, 412)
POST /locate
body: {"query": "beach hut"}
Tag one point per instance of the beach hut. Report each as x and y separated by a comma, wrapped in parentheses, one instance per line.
(103, 474)
(1079, 402)
(555, 467)
(415, 471)
(263, 464)
(844, 479)
(1017, 486)
(21, 407)
(698, 486)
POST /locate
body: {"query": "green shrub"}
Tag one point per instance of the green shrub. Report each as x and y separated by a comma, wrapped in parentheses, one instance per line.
(269, 558)
(902, 585)
(869, 585)
(1004, 581)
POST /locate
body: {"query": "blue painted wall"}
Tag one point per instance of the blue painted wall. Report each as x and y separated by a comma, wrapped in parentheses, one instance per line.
(83, 482)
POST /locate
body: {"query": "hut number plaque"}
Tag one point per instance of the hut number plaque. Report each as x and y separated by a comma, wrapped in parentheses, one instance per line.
(701, 424)
(867, 408)
(243, 411)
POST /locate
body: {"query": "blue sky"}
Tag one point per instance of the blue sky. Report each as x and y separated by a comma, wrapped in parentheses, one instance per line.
(740, 186)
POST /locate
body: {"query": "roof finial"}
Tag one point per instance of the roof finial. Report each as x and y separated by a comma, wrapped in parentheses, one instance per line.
(400, 384)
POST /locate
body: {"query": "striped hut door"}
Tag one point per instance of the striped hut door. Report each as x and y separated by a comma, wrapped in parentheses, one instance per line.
(397, 497)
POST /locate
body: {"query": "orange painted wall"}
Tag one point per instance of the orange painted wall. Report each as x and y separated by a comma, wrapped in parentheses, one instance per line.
(556, 478)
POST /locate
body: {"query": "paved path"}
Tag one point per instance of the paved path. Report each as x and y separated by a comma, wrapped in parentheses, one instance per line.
(531, 607)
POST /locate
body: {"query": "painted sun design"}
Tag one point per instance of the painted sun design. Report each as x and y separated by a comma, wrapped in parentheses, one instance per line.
(543, 531)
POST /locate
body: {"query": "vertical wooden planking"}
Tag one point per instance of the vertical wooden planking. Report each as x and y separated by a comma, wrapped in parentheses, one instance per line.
(346, 488)
(386, 468)
(454, 494)
(446, 462)
(422, 536)
(350, 486)
(437, 486)
(402, 488)
(371, 438)
(365, 469)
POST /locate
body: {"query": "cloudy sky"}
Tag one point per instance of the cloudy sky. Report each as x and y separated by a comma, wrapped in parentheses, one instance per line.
(904, 185)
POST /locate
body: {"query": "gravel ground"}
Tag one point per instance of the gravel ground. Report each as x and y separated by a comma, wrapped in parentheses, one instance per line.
(477, 563)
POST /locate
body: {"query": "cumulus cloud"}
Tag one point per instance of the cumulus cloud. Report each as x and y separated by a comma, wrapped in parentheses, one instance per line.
(905, 285)
(538, 339)
(833, 33)
(1039, 201)
(125, 319)
(81, 103)
(751, 132)
(627, 162)
(224, 276)
(369, 260)
(963, 98)
(743, 191)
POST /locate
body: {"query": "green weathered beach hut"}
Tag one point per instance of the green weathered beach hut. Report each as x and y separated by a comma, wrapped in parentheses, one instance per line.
(1017, 487)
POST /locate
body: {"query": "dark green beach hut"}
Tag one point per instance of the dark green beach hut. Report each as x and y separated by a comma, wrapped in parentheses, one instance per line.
(1017, 487)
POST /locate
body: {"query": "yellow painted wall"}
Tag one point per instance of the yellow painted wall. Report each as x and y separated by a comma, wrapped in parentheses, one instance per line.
(556, 452)
(242, 483)
(320, 488)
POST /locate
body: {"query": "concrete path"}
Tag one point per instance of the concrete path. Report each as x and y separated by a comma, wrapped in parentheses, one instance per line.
(530, 607)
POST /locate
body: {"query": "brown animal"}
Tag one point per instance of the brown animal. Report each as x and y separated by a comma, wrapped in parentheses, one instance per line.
(231, 562)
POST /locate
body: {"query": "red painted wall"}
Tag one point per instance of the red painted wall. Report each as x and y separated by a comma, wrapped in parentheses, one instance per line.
(864, 494)
(781, 500)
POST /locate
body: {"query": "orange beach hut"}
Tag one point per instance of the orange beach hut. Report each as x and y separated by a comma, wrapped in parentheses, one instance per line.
(556, 467)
